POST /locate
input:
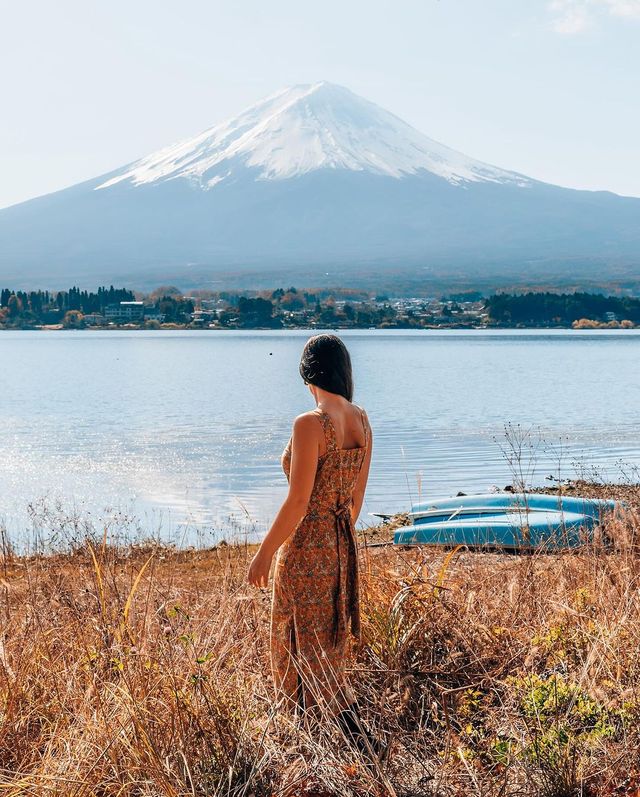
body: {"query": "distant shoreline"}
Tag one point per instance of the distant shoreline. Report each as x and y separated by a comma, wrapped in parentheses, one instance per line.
(439, 328)
(339, 309)
(431, 328)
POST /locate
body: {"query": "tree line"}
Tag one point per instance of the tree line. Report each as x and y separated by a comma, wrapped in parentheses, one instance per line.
(41, 307)
(559, 309)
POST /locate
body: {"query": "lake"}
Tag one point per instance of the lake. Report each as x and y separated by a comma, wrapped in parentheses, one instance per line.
(183, 430)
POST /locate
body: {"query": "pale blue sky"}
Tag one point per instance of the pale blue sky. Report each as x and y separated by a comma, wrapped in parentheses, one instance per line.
(549, 88)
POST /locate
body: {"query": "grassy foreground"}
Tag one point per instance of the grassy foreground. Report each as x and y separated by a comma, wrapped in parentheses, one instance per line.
(144, 671)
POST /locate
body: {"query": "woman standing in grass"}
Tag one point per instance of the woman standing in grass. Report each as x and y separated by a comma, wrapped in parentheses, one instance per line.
(315, 588)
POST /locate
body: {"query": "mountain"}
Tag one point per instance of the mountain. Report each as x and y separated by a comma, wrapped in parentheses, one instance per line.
(301, 130)
(315, 184)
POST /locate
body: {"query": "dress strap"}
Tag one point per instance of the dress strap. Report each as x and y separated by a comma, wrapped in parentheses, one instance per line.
(329, 430)
(365, 425)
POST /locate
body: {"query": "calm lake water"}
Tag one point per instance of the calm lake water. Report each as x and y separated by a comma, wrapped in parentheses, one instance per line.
(184, 430)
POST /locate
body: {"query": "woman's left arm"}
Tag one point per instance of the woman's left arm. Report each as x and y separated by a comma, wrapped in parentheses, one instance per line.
(304, 463)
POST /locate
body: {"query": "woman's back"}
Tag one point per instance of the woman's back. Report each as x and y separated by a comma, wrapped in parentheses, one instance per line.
(342, 450)
(350, 427)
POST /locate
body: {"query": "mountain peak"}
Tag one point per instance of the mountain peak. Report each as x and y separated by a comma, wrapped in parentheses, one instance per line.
(305, 128)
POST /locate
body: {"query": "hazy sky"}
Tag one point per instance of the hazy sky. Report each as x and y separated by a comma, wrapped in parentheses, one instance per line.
(550, 89)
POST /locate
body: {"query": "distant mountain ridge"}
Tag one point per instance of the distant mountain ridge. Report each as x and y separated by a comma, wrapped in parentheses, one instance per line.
(314, 181)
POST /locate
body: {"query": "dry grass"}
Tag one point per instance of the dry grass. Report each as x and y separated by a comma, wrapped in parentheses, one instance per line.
(142, 670)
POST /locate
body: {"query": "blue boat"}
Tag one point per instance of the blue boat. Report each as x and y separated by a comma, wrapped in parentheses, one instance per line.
(513, 521)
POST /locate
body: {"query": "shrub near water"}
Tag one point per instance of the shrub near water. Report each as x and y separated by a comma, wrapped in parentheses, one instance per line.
(144, 671)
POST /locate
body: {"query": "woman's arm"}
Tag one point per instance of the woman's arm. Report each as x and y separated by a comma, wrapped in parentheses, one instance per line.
(361, 483)
(305, 446)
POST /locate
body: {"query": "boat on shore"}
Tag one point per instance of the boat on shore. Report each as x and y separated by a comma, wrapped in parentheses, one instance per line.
(505, 520)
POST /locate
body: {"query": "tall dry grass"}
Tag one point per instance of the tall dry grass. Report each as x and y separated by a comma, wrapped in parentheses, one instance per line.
(143, 670)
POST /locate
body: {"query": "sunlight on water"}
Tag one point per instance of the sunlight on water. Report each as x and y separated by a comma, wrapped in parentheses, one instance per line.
(185, 429)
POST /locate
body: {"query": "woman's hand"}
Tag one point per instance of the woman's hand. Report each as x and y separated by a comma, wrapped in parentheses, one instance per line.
(259, 569)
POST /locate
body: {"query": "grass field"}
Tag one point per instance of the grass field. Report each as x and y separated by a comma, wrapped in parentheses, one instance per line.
(143, 670)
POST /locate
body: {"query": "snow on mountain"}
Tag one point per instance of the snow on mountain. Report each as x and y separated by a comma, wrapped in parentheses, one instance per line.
(307, 128)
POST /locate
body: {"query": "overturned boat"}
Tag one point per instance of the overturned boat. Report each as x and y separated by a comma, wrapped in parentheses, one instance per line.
(507, 520)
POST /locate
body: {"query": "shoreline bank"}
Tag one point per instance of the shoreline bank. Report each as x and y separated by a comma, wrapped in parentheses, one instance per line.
(144, 670)
(595, 327)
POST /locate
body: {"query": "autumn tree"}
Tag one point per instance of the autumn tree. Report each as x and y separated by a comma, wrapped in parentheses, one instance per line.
(73, 319)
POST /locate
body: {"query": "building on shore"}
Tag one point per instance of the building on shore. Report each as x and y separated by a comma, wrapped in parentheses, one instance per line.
(125, 313)
(94, 319)
(153, 314)
(203, 316)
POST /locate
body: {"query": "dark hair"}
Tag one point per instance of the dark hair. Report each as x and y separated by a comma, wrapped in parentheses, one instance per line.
(325, 363)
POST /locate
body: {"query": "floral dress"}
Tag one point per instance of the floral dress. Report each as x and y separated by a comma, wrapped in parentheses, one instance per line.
(315, 585)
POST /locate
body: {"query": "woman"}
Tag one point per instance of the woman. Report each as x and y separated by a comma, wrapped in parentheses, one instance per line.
(315, 589)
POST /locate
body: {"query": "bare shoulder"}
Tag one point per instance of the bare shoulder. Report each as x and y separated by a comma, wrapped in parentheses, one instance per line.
(307, 424)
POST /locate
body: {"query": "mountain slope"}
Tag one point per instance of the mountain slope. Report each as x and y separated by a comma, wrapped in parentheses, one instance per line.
(313, 179)
(305, 128)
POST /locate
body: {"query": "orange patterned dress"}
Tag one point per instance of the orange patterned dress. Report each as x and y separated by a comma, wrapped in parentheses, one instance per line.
(315, 585)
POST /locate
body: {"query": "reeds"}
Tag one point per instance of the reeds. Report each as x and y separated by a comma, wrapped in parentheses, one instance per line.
(143, 670)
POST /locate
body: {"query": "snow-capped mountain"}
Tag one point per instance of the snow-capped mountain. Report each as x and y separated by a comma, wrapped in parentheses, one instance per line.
(305, 128)
(314, 184)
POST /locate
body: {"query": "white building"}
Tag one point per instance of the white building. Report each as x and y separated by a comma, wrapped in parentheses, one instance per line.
(125, 312)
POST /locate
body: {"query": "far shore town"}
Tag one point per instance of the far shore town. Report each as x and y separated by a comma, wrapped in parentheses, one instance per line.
(292, 308)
